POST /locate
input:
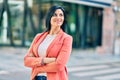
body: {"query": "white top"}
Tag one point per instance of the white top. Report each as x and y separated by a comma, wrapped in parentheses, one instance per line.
(43, 47)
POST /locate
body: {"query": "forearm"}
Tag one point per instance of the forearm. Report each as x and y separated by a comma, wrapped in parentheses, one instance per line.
(51, 67)
(48, 60)
(32, 61)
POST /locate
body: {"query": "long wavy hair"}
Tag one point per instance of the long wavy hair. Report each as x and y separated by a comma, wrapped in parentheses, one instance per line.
(50, 13)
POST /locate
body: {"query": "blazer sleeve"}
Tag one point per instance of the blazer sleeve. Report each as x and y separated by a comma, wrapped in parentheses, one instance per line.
(30, 59)
(61, 60)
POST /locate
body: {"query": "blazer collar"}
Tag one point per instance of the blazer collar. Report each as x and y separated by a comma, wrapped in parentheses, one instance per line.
(59, 35)
(42, 37)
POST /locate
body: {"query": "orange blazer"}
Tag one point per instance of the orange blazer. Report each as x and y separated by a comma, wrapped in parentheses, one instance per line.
(60, 48)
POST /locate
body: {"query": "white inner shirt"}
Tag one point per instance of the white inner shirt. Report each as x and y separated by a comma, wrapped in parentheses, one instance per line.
(44, 45)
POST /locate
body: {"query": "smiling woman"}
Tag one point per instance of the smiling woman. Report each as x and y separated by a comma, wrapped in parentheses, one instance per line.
(57, 19)
(50, 50)
(58, 14)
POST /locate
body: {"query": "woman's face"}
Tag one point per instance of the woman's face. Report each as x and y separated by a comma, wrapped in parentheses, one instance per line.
(57, 19)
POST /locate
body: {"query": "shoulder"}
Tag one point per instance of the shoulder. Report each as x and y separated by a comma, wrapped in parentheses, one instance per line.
(37, 36)
(67, 40)
(67, 36)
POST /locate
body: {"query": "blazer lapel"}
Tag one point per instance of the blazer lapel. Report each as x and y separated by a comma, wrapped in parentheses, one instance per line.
(54, 41)
(41, 38)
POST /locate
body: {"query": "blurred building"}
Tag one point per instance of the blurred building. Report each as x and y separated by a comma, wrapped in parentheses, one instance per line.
(90, 22)
(117, 27)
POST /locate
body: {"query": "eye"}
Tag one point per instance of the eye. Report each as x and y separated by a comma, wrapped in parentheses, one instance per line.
(54, 14)
(61, 14)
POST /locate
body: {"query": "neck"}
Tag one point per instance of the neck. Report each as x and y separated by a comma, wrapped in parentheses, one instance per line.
(54, 31)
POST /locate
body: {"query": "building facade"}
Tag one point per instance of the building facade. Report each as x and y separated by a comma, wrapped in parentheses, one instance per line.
(91, 23)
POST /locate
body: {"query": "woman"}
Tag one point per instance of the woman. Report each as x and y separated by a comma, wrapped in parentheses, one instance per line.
(50, 50)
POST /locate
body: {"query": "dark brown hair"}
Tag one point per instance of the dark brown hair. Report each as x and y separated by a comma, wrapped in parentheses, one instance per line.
(50, 13)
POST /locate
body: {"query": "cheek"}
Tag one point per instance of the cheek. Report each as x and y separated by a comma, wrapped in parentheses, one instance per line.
(51, 21)
(63, 19)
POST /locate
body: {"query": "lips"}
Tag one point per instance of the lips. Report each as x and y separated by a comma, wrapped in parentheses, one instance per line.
(58, 21)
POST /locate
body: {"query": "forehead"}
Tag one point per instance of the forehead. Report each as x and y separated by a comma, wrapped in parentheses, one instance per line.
(58, 11)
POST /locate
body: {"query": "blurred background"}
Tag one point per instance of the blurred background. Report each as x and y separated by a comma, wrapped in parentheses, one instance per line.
(93, 24)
